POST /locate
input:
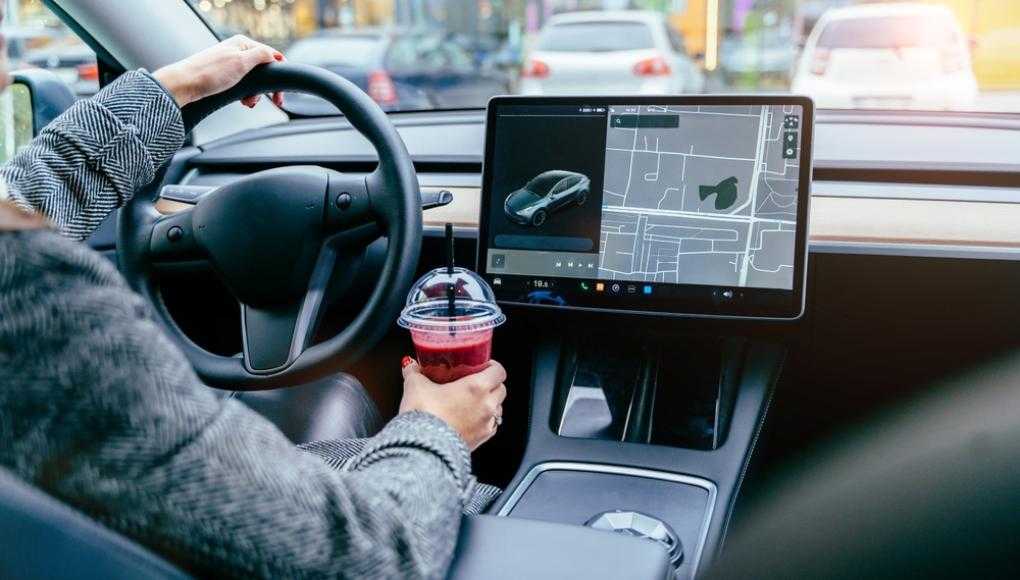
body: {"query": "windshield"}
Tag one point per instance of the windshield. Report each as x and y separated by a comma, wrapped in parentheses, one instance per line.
(940, 55)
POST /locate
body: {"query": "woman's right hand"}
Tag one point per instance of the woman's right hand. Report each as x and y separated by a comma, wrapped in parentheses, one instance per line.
(473, 405)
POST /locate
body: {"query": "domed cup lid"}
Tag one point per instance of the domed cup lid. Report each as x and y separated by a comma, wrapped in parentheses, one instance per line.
(451, 300)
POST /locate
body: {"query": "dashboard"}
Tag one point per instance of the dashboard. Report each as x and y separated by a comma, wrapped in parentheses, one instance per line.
(906, 184)
(910, 183)
(693, 206)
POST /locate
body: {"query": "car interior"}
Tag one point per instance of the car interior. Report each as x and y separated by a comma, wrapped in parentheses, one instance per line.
(802, 367)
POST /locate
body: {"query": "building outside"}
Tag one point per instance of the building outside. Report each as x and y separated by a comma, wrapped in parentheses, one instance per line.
(994, 29)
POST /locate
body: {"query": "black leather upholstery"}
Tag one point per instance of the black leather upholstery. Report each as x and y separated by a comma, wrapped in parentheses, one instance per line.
(42, 538)
(933, 491)
(336, 407)
(503, 548)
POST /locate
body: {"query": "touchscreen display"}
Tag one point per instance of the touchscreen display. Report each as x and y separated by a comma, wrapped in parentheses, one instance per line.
(690, 208)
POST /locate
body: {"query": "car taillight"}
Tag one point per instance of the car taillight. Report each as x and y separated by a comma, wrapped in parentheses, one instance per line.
(820, 63)
(652, 67)
(535, 69)
(381, 88)
(88, 72)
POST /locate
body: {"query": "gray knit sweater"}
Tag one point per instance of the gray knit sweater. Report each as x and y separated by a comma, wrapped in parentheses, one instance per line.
(99, 409)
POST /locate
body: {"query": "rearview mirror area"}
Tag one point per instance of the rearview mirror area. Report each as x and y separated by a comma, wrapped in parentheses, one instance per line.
(34, 98)
(17, 126)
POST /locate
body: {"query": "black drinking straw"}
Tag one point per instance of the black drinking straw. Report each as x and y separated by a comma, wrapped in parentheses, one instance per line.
(450, 289)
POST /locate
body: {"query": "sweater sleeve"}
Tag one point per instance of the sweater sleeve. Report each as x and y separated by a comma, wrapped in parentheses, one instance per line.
(92, 158)
(101, 410)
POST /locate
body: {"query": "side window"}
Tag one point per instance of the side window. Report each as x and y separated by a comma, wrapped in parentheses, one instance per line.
(36, 38)
(560, 187)
(544, 183)
(15, 121)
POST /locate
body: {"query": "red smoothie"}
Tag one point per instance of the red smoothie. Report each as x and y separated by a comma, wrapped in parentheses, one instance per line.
(445, 358)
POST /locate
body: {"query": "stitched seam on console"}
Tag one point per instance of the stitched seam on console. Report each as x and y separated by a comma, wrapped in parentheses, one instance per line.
(747, 462)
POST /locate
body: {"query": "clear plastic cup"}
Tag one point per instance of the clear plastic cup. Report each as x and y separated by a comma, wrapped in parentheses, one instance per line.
(451, 316)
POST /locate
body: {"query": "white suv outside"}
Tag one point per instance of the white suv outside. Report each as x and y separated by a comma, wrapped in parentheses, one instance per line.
(894, 56)
(610, 52)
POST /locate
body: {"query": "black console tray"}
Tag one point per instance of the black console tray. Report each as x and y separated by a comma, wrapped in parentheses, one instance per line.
(497, 548)
(678, 392)
(573, 493)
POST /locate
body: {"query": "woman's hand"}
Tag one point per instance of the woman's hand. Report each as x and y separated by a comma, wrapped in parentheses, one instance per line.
(473, 405)
(216, 69)
(13, 218)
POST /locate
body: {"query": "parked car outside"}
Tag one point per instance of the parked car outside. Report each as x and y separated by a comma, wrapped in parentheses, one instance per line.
(22, 40)
(905, 56)
(71, 60)
(545, 194)
(399, 69)
(611, 52)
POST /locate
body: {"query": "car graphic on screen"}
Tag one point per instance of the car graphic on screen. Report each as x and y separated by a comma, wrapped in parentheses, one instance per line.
(546, 194)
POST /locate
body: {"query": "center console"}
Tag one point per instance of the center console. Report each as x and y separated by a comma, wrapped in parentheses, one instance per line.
(672, 447)
(665, 215)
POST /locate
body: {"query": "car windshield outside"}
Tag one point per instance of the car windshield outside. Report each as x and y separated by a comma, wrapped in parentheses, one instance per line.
(949, 55)
(38, 39)
(943, 55)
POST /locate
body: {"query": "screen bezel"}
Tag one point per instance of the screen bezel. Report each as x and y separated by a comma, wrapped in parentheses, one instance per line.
(725, 310)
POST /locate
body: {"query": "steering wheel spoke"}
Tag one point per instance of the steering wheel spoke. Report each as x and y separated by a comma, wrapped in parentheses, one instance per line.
(274, 336)
(349, 203)
(172, 238)
(386, 211)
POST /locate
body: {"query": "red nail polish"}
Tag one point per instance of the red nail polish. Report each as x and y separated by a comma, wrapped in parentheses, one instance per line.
(406, 361)
(278, 56)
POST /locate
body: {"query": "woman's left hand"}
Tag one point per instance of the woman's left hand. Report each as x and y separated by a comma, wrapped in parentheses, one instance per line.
(216, 69)
(13, 218)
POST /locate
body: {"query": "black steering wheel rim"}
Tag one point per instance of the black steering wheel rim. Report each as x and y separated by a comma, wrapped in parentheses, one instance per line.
(395, 206)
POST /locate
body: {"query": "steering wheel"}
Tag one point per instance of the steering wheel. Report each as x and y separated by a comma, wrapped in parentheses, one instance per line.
(274, 238)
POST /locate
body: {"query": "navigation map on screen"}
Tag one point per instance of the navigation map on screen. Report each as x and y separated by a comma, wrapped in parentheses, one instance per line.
(700, 195)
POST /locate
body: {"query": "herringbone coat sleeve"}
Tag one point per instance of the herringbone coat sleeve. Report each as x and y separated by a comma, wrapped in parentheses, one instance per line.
(101, 410)
(92, 158)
